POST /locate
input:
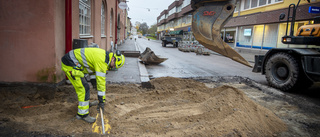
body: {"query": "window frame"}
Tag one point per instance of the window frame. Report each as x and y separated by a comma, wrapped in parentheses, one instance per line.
(172, 11)
(103, 20)
(85, 18)
(247, 6)
(185, 3)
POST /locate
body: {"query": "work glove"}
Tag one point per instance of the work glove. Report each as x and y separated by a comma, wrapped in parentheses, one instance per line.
(100, 105)
(94, 83)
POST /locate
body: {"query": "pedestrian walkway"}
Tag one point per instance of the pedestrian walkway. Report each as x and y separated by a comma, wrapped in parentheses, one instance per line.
(249, 54)
(132, 71)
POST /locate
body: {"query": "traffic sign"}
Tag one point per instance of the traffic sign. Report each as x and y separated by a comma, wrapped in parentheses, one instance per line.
(313, 9)
(123, 5)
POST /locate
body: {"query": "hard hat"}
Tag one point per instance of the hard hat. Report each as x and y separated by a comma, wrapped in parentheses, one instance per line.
(119, 59)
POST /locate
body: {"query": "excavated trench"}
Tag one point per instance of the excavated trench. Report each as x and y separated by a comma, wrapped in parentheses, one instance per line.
(218, 106)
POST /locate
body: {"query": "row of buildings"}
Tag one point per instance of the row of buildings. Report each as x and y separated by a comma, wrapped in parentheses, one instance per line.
(255, 23)
(35, 34)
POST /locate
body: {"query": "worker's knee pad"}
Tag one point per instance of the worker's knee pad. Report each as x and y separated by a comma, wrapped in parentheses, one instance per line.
(87, 88)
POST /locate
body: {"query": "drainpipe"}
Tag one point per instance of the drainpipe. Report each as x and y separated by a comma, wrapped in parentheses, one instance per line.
(68, 25)
(116, 23)
(124, 24)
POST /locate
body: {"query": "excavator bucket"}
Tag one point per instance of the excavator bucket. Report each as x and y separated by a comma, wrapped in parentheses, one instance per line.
(148, 57)
(207, 19)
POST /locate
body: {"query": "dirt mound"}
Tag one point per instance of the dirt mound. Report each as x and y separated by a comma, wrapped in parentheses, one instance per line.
(183, 107)
(175, 107)
(34, 112)
(174, 84)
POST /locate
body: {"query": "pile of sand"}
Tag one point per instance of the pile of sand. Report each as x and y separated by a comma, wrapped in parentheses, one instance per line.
(175, 107)
(183, 107)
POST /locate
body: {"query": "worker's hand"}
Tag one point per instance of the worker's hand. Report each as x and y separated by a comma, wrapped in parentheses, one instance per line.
(101, 105)
(94, 83)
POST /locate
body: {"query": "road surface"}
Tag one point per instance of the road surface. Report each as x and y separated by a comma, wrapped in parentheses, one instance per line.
(189, 65)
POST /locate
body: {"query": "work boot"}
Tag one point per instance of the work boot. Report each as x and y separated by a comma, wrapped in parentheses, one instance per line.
(93, 103)
(87, 118)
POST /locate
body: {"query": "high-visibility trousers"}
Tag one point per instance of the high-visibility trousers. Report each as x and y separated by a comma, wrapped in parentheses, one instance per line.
(81, 86)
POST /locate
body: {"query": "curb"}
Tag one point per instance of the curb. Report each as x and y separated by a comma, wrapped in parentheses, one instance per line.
(144, 75)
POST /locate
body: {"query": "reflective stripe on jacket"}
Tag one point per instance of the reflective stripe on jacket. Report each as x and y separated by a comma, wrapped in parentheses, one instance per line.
(92, 61)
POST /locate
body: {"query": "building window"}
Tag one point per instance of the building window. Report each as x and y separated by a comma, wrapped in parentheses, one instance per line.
(179, 22)
(179, 8)
(247, 4)
(257, 36)
(84, 17)
(184, 20)
(103, 19)
(257, 3)
(173, 10)
(171, 24)
(162, 17)
(186, 3)
(262, 2)
(254, 3)
(189, 19)
(270, 36)
(176, 23)
(228, 35)
(245, 37)
(282, 32)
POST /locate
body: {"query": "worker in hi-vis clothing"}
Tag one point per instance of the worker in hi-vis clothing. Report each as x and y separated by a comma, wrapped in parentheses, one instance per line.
(95, 62)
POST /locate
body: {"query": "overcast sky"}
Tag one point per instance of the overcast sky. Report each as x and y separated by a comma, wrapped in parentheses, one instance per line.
(139, 10)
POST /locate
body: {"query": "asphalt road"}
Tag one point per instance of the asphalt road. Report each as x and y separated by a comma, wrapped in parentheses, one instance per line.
(189, 65)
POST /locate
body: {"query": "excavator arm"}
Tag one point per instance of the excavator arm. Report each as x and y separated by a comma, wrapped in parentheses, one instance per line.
(207, 19)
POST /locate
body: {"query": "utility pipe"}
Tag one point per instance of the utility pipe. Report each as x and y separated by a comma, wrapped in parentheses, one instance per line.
(116, 23)
(68, 25)
(125, 23)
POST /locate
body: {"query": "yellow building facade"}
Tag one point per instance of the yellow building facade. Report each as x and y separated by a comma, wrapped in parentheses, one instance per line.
(255, 23)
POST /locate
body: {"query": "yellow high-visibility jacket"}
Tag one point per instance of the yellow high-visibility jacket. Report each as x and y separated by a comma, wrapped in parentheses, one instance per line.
(92, 61)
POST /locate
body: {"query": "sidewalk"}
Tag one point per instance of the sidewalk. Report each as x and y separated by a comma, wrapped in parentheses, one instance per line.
(249, 54)
(132, 71)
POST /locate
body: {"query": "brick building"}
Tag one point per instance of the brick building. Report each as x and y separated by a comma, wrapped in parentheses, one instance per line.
(35, 34)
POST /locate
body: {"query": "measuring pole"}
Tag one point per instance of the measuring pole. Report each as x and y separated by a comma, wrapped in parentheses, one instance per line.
(103, 131)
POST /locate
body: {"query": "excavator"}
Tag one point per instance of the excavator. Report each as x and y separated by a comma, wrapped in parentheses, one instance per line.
(287, 69)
